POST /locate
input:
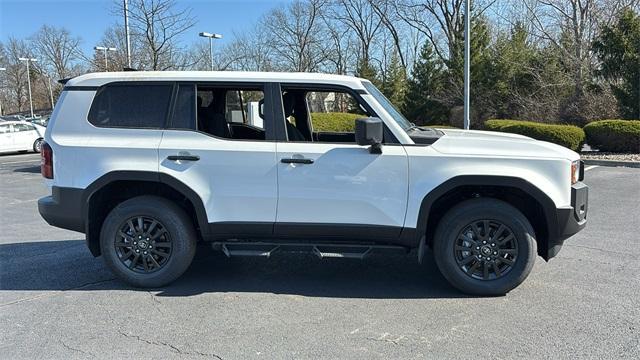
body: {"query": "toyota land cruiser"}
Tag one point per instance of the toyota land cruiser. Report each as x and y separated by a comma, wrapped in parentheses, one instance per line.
(148, 164)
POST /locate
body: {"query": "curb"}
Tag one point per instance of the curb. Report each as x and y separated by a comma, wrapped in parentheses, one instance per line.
(614, 163)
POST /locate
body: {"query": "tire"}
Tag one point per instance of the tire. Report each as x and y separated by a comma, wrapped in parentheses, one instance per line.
(172, 250)
(510, 247)
(37, 145)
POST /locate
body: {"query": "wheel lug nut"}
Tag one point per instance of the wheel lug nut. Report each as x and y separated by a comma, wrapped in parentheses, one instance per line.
(495, 253)
(477, 247)
(493, 244)
(137, 250)
(135, 243)
(484, 242)
(145, 253)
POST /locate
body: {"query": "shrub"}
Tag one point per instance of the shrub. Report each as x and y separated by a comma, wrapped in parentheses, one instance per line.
(568, 136)
(334, 121)
(614, 135)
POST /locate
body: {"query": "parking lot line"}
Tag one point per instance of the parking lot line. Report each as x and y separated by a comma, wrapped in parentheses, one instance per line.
(590, 167)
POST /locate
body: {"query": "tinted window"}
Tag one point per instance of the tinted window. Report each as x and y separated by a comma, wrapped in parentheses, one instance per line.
(131, 106)
(184, 115)
(5, 129)
(23, 127)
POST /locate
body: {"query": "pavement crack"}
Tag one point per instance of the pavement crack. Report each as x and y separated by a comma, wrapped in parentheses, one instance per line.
(598, 249)
(170, 346)
(156, 302)
(55, 293)
(76, 350)
(385, 338)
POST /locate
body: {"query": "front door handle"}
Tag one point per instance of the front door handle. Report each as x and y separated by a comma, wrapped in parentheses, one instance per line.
(296, 161)
(183, 157)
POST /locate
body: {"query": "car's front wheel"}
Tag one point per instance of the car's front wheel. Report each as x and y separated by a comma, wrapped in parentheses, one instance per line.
(485, 247)
(148, 241)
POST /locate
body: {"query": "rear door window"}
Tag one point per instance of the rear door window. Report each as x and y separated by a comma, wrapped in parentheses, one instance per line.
(131, 106)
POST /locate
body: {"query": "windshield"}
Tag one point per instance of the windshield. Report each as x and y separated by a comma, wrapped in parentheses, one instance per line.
(387, 105)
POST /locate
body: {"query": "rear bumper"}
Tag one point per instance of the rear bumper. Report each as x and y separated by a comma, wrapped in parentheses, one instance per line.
(570, 219)
(63, 208)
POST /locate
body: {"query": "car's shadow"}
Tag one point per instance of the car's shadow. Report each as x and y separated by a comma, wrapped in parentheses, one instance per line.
(28, 169)
(67, 265)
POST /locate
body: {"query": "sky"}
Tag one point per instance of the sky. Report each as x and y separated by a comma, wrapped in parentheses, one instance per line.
(89, 18)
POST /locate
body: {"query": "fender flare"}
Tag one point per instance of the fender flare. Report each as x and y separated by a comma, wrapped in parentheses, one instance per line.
(545, 202)
(143, 176)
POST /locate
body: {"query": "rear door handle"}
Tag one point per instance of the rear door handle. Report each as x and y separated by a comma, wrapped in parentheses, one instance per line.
(183, 157)
(296, 161)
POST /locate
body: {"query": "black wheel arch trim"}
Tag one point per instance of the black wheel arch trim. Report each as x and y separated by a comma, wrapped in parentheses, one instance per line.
(548, 206)
(144, 176)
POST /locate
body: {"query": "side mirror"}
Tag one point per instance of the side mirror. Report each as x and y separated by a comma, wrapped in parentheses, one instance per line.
(369, 132)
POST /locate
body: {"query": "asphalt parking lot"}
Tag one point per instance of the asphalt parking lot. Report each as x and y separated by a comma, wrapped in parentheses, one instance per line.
(57, 301)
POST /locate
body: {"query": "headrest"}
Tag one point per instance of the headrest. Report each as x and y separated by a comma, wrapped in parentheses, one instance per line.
(288, 103)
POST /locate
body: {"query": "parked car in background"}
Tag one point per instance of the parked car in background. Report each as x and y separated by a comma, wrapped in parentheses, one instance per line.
(13, 118)
(42, 120)
(20, 136)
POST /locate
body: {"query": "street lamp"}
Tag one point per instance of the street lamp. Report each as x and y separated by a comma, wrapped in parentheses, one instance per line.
(211, 37)
(467, 60)
(2, 69)
(105, 49)
(29, 60)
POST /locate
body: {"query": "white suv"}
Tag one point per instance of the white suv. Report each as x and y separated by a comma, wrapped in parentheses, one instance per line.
(148, 164)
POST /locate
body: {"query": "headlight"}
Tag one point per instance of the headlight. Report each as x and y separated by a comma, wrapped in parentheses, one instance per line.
(575, 171)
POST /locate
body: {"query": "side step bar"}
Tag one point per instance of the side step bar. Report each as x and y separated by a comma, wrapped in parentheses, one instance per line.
(322, 250)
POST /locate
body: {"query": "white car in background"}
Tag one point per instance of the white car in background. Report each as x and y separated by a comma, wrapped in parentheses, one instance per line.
(20, 136)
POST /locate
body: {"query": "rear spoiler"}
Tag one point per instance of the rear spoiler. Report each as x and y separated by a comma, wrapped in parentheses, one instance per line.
(65, 80)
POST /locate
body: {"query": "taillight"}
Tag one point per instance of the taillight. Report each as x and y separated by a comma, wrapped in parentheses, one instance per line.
(46, 161)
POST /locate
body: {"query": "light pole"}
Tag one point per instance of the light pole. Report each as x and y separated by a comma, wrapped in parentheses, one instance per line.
(211, 37)
(2, 69)
(467, 55)
(126, 31)
(28, 60)
(105, 49)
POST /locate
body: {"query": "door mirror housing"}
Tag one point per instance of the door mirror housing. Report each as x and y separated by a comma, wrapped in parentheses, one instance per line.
(369, 132)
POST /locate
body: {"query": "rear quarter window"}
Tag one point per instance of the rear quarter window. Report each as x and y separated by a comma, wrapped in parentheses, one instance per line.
(131, 106)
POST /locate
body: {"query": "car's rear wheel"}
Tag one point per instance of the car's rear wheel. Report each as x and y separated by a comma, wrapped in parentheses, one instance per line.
(37, 145)
(148, 241)
(485, 247)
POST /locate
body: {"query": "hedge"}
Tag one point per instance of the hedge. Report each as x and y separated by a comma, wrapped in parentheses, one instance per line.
(568, 136)
(614, 135)
(334, 121)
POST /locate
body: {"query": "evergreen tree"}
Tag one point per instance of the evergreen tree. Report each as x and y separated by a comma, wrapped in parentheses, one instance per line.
(618, 48)
(394, 86)
(423, 88)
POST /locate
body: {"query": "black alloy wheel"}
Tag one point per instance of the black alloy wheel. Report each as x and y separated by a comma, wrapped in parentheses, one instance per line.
(486, 249)
(143, 244)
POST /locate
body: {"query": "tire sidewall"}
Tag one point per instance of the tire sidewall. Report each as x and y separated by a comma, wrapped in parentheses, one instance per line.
(181, 232)
(484, 209)
(37, 145)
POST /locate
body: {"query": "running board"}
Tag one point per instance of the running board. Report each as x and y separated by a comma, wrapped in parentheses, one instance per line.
(322, 251)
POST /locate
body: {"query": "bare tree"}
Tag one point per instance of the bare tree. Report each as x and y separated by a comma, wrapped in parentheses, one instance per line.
(57, 50)
(441, 21)
(16, 73)
(297, 37)
(361, 17)
(159, 24)
(571, 26)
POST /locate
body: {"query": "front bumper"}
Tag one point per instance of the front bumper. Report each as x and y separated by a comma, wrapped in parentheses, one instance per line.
(570, 219)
